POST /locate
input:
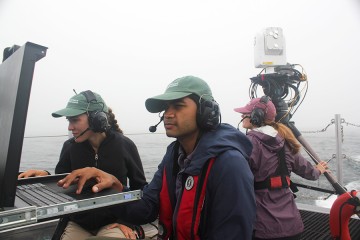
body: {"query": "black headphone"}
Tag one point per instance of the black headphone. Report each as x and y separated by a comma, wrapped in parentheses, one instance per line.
(98, 120)
(208, 115)
(257, 116)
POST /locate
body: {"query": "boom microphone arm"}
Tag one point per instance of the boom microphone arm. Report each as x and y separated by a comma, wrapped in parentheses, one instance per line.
(338, 188)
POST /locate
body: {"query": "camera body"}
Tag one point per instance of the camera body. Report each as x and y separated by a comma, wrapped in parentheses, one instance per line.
(270, 48)
(279, 80)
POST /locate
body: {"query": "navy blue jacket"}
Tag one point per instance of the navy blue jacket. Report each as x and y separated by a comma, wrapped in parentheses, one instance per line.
(229, 207)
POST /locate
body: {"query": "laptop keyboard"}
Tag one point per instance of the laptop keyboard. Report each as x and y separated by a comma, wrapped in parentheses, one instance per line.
(40, 195)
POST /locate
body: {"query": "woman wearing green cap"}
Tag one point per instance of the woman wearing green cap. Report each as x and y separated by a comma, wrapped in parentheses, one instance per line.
(97, 142)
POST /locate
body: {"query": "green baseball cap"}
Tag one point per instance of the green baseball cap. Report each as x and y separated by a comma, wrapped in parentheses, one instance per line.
(86, 101)
(179, 88)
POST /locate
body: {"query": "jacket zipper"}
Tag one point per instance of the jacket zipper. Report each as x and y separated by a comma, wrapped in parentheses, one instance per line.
(96, 160)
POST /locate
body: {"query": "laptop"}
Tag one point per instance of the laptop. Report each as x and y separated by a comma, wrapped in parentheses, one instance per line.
(26, 201)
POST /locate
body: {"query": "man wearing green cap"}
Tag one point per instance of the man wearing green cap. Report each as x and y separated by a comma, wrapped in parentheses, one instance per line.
(98, 142)
(203, 188)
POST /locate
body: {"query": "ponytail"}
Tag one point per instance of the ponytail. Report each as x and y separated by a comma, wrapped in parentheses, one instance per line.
(288, 135)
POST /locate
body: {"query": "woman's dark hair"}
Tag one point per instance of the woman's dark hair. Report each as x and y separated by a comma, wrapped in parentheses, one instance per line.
(113, 122)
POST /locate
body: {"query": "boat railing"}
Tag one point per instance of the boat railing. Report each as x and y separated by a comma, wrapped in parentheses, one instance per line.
(339, 134)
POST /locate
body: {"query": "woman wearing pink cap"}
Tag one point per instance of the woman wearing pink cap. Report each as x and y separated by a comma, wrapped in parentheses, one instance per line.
(274, 156)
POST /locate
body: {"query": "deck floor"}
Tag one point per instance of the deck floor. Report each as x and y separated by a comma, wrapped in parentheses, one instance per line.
(45, 230)
(316, 225)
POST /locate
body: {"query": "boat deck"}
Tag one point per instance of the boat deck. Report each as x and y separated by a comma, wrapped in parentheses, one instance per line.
(45, 230)
(36, 231)
(316, 221)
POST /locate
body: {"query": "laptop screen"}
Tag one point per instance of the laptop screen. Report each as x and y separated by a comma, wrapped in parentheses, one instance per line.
(16, 73)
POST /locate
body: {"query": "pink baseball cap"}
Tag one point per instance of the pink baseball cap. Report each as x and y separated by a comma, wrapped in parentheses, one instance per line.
(264, 103)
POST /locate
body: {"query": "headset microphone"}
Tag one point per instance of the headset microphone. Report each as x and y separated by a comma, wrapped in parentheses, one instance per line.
(153, 128)
(82, 133)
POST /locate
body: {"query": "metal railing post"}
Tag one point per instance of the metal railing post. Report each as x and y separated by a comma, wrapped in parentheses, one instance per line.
(339, 157)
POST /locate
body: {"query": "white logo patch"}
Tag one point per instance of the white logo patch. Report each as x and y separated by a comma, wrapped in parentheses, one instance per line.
(189, 183)
(173, 84)
(73, 101)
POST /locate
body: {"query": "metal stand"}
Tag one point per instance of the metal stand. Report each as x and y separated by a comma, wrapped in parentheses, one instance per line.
(339, 157)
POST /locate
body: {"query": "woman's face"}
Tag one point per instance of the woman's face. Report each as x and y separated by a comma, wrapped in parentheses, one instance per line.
(246, 121)
(79, 127)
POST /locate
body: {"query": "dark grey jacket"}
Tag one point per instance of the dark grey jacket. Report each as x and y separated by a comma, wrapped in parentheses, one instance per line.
(276, 211)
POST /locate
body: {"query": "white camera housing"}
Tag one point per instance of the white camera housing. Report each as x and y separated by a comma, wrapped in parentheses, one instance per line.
(269, 48)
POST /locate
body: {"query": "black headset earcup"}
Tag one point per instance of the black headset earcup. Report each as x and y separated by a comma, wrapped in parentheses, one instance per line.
(98, 121)
(257, 117)
(208, 115)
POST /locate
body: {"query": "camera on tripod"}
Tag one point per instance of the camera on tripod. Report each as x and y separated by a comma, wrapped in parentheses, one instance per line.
(269, 48)
(279, 80)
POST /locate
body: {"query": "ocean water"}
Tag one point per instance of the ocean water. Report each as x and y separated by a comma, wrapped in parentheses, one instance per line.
(43, 153)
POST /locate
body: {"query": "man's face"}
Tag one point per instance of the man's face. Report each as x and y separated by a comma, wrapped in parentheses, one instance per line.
(180, 119)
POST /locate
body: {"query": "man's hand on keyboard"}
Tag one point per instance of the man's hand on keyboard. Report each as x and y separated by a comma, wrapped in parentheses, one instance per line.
(80, 176)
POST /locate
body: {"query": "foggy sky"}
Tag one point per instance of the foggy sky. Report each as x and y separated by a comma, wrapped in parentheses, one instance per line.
(128, 51)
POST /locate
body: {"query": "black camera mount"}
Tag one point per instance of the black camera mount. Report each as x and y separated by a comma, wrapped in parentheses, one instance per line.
(279, 85)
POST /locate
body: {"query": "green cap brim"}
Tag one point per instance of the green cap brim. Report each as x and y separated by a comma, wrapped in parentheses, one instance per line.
(67, 112)
(158, 103)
